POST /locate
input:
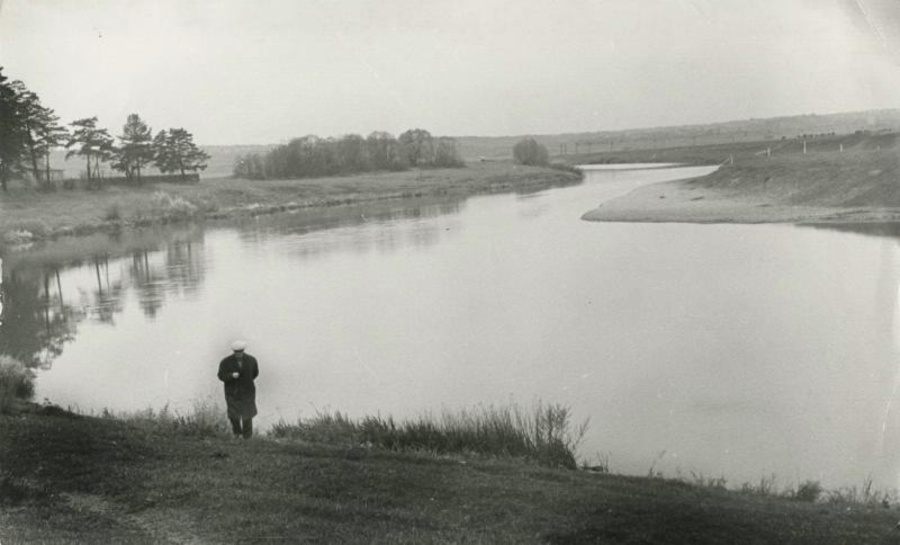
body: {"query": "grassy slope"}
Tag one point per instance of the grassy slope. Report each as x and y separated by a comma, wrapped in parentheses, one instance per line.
(77, 212)
(823, 179)
(824, 184)
(88, 480)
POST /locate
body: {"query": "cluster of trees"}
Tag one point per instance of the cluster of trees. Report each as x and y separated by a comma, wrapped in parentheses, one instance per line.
(529, 151)
(170, 151)
(29, 131)
(311, 156)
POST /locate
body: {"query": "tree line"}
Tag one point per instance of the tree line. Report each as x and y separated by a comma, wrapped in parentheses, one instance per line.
(311, 156)
(30, 131)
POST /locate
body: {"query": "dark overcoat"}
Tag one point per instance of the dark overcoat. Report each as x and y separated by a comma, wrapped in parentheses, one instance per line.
(240, 393)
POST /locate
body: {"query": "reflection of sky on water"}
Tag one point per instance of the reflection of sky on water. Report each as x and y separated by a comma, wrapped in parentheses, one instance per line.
(55, 286)
(737, 350)
(384, 228)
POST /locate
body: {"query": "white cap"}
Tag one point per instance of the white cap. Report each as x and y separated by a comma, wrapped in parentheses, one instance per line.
(238, 346)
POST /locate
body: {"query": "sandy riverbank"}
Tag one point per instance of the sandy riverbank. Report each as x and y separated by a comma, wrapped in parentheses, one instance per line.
(816, 188)
(684, 202)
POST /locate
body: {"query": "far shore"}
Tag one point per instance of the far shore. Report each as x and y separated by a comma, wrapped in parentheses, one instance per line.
(683, 201)
(28, 216)
(826, 187)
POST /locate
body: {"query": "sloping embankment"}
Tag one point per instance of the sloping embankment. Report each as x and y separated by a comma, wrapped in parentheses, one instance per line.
(66, 478)
(862, 186)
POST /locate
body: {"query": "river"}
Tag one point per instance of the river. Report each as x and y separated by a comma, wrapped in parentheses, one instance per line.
(735, 351)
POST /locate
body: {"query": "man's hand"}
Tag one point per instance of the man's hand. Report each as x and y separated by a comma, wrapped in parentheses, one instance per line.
(235, 374)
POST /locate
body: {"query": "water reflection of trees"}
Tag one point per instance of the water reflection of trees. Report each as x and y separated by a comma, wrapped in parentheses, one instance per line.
(105, 301)
(37, 321)
(47, 292)
(47, 295)
(357, 228)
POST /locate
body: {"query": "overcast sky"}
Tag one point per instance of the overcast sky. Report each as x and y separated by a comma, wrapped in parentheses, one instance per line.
(264, 71)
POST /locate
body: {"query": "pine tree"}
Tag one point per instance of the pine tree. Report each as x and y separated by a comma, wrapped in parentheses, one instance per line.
(95, 145)
(175, 151)
(136, 149)
(12, 134)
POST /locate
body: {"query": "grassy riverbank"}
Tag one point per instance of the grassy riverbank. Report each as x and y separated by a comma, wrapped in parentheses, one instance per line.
(26, 215)
(824, 185)
(76, 479)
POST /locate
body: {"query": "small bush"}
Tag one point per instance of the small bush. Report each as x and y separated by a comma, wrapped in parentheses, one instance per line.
(25, 232)
(16, 382)
(809, 491)
(173, 206)
(166, 207)
(529, 152)
(17, 237)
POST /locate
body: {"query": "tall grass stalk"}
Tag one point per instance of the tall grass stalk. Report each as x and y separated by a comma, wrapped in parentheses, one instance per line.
(544, 434)
(807, 491)
(766, 486)
(866, 494)
(206, 419)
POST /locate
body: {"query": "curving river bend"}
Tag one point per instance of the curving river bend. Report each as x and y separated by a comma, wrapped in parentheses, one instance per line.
(719, 350)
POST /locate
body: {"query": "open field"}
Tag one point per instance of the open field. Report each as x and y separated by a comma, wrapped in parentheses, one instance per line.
(823, 185)
(720, 152)
(646, 141)
(572, 147)
(27, 215)
(74, 479)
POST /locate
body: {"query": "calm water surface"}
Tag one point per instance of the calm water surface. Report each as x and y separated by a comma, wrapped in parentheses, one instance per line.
(721, 350)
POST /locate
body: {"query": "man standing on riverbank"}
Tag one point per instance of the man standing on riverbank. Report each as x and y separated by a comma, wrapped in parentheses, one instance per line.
(238, 371)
